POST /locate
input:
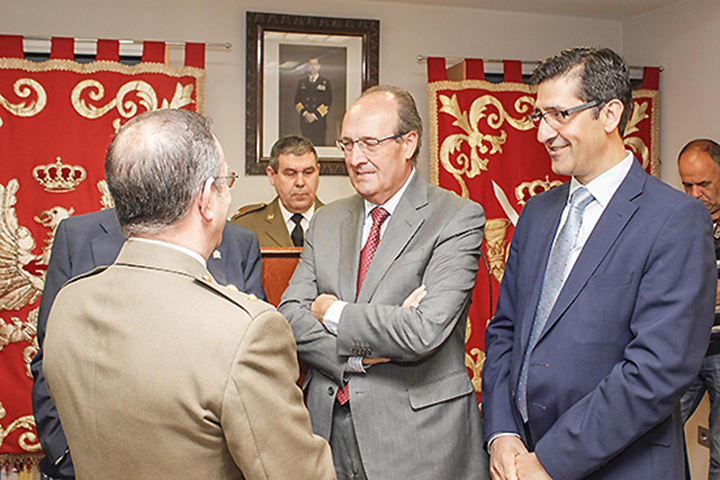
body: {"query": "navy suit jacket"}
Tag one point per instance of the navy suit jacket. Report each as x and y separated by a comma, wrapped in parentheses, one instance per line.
(85, 242)
(622, 343)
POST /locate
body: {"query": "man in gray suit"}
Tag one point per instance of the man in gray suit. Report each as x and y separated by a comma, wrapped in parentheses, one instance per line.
(378, 305)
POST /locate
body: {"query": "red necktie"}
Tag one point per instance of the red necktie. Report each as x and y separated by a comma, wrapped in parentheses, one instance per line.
(379, 216)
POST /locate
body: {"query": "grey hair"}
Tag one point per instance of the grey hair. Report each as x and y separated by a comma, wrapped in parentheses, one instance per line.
(156, 165)
(407, 112)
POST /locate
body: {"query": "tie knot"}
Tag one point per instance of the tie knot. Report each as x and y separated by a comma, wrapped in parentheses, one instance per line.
(379, 215)
(297, 218)
(581, 198)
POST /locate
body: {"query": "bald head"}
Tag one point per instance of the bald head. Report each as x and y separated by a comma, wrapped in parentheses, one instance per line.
(699, 167)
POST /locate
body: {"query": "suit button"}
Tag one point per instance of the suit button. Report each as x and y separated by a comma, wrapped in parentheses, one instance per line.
(331, 391)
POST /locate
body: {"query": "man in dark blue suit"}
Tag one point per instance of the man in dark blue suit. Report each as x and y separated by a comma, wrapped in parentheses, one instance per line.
(85, 242)
(606, 302)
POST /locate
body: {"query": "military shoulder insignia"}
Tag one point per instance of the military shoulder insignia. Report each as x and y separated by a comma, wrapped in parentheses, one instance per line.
(248, 209)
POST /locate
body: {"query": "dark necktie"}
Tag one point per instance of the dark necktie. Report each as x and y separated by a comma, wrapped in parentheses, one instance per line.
(556, 273)
(297, 233)
(379, 215)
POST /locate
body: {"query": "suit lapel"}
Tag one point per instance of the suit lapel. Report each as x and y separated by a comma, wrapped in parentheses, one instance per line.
(404, 222)
(542, 243)
(350, 233)
(614, 219)
(107, 244)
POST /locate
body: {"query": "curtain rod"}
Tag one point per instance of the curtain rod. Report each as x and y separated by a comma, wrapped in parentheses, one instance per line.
(423, 58)
(211, 46)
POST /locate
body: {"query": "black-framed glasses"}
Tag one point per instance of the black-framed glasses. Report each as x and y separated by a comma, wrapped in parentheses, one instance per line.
(367, 144)
(229, 179)
(556, 118)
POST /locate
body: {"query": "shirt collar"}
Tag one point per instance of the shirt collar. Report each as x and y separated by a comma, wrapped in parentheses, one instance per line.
(605, 185)
(287, 214)
(174, 246)
(391, 204)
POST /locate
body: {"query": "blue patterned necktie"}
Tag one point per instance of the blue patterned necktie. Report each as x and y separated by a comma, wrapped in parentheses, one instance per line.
(555, 274)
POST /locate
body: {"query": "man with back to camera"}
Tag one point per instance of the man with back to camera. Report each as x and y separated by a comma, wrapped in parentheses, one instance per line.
(606, 303)
(294, 172)
(699, 167)
(85, 242)
(378, 304)
(156, 370)
(313, 98)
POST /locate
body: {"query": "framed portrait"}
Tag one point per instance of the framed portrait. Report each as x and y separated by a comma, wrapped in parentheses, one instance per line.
(302, 73)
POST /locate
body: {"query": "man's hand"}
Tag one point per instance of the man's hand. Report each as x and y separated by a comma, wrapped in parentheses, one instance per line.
(717, 295)
(374, 361)
(529, 468)
(413, 300)
(321, 305)
(310, 117)
(503, 454)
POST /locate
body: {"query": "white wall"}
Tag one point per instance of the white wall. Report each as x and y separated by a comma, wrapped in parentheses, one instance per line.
(684, 39)
(405, 32)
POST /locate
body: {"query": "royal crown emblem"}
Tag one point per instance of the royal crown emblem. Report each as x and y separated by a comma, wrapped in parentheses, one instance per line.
(58, 177)
(526, 190)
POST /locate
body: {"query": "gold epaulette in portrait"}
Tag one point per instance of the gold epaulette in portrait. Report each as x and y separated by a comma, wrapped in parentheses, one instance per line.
(242, 211)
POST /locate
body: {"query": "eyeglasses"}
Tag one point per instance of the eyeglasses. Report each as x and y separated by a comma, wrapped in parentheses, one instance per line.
(229, 179)
(556, 118)
(367, 144)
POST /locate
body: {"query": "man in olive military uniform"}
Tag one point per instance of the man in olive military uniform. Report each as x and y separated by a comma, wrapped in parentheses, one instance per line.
(157, 371)
(312, 102)
(295, 173)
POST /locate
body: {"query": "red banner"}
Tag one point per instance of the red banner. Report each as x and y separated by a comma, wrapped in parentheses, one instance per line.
(483, 147)
(57, 118)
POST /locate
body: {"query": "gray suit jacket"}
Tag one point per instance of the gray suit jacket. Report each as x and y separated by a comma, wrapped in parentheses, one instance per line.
(158, 372)
(417, 416)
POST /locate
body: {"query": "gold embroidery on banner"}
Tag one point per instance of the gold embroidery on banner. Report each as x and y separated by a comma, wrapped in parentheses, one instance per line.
(127, 108)
(435, 89)
(636, 144)
(648, 154)
(474, 364)
(21, 331)
(496, 243)
(481, 144)
(106, 199)
(20, 285)
(58, 177)
(475, 361)
(51, 219)
(105, 66)
(23, 87)
(28, 440)
(532, 188)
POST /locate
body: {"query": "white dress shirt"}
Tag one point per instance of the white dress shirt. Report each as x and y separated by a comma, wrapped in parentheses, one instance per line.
(304, 223)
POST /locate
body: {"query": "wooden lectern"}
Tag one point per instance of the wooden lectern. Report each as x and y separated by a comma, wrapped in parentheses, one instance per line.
(278, 265)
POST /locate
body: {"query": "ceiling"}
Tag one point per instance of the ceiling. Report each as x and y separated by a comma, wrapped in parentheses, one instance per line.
(601, 9)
